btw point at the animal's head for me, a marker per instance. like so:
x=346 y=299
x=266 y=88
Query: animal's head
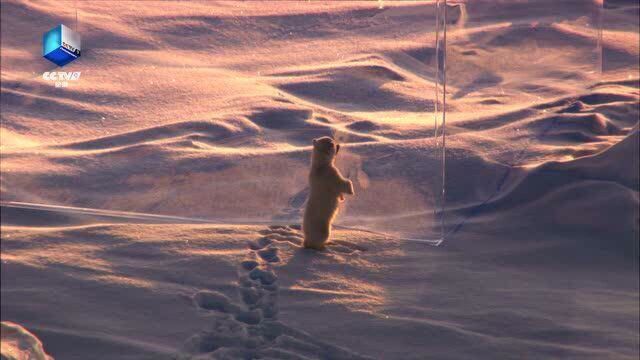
x=325 y=148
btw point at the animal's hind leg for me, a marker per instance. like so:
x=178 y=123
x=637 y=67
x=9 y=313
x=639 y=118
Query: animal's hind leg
x=316 y=239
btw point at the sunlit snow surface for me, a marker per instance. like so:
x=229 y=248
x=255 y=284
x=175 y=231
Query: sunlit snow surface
x=206 y=110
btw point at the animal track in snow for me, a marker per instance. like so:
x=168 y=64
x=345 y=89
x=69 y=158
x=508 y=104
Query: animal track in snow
x=260 y=243
x=249 y=328
x=210 y=300
x=269 y=255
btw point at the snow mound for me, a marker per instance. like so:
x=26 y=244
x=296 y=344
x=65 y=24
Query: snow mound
x=19 y=344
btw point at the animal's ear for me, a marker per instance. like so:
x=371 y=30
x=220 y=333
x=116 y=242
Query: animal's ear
x=337 y=148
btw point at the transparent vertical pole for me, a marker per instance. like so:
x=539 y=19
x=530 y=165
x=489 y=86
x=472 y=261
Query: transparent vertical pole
x=440 y=110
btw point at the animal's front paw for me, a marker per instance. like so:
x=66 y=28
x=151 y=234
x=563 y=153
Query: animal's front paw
x=350 y=188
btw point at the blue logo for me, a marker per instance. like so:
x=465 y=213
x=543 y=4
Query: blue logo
x=61 y=45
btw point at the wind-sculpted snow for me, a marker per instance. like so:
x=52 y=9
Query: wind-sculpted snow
x=149 y=209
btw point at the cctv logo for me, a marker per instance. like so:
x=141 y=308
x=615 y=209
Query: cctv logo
x=61 y=78
x=55 y=76
x=61 y=45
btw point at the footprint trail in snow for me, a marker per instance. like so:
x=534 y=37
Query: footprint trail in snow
x=249 y=328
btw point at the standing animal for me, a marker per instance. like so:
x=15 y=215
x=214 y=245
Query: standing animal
x=327 y=191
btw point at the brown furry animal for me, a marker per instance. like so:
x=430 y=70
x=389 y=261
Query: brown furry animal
x=327 y=191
